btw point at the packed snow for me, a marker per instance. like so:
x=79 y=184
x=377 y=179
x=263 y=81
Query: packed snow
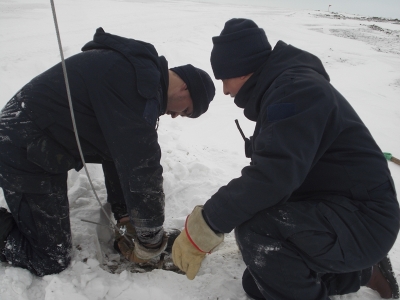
x=200 y=155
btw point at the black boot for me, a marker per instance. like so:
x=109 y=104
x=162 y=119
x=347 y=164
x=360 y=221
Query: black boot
x=6 y=225
x=383 y=280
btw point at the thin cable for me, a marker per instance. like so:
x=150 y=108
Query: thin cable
x=73 y=118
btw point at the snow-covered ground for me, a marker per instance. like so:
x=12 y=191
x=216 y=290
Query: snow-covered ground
x=199 y=155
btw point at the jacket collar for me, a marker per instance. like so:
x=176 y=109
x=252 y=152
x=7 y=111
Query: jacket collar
x=164 y=84
x=246 y=97
x=282 y=58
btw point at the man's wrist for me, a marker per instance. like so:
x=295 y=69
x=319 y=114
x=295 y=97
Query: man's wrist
x=208 y=221
x=199 y=233
x=150 y=236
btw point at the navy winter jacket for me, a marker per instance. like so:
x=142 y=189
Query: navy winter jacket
x=308 y=143
x=118 y=89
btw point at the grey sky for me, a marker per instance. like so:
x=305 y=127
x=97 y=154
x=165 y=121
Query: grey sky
x=373 y=8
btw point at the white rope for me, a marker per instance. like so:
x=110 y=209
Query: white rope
x=73 y=118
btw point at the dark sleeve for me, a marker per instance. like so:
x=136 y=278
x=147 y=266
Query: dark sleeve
x=133 y=145
x=115 y=195
x=285 y=149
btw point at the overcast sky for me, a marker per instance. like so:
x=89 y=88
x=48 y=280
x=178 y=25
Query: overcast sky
x=373 y=8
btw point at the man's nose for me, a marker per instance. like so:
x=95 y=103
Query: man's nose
x=225 y=90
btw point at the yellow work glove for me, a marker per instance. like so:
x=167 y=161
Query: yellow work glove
x=192 y=245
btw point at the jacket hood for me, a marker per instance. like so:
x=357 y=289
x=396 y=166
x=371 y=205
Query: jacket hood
x=285 y=57
x=282 y=58
x=143 y=57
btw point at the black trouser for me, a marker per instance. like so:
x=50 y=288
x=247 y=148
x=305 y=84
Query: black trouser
x=336 y=284
x=313 y=249
x=33 y=175
x=41 y=239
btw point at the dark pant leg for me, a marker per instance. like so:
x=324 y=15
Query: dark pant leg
x=336 y=284
x=41 y=239
x=33 y=175
x=250 y=286
x=278 y=271
x=345 y=283
x=287 y=248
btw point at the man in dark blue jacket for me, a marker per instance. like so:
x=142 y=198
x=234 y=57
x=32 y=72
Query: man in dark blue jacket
x=315 y=213
x=119 y=89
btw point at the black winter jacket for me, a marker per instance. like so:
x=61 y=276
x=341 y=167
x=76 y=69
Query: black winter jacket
x=308 y=143
x=118 y=89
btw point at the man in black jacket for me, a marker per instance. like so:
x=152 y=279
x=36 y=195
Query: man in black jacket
x=315 y=213
x=119 y=89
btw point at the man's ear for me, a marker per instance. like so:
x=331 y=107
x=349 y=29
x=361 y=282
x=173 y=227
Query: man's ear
x=184 y=87
x=245 y=77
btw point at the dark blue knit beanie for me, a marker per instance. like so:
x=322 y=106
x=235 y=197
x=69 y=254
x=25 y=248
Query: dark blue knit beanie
x=240 y=49
x=200 y=86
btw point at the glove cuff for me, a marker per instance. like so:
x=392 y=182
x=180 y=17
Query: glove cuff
x=199 y=233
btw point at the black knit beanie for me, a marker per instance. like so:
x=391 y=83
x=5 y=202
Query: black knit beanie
x=200 y=85
x=240 y=49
